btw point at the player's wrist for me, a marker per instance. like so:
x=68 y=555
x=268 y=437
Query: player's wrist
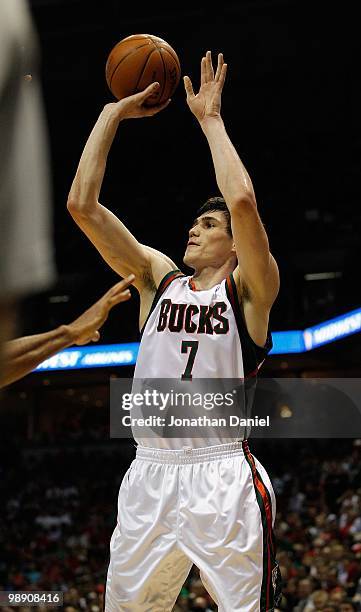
x=113 y=112
x=211 y=122
x=67 y=334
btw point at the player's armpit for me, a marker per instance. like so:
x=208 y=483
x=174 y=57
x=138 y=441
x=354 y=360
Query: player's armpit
x=255 y=313
x=161 y=265
x=158 y=261
x=265 y=292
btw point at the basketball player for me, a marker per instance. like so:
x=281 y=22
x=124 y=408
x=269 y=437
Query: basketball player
x=212 y=505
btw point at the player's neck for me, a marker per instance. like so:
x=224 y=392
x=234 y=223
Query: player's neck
x=208 y=277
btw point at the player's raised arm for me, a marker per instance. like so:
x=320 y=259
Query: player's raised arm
x=118 y=247
x=257 y=267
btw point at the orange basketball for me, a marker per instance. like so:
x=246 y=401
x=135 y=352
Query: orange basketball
x=137 y=61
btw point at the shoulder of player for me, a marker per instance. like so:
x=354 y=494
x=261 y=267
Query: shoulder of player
x=153 y=285
x=159 y=266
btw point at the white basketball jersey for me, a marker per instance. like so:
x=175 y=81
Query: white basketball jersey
x=196 y=334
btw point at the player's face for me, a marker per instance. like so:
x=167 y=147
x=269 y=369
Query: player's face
x=209 y=243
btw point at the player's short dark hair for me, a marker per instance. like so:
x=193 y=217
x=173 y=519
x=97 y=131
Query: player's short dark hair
x=214 y=204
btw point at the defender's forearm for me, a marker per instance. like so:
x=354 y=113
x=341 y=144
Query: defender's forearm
x=88 y=180
x=232 y=177
x=22 y=355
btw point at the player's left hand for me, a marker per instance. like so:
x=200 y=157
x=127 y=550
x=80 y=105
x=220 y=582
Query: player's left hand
x=207 y=102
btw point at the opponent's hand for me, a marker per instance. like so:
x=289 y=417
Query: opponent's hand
x=207 y=102
x=133 y=107
x=85 y=328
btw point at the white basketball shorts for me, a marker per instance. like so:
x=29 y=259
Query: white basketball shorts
x=212 y=506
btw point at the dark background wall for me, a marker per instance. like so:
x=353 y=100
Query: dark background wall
x=291 y=106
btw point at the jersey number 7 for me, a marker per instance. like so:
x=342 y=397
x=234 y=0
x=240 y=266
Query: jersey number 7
x=192 y=346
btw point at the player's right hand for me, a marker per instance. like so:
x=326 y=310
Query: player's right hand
x=85 y=328
x=133 y=107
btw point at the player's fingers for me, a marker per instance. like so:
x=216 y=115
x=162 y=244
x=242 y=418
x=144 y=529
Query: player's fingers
x=121 y=286
x=203 y=71
x=188 y=87
x=118 y=293
x=219 y=66
x=209 y=67
x=222 y=76
x=150 y=90
x=119 y=297
x=96 y=337
x=153 y=110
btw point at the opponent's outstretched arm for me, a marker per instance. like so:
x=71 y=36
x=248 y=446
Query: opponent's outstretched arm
x=22 y=355
x=118 y=247
x=258 y=269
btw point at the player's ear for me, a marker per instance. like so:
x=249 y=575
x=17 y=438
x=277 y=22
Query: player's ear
x=233 y=248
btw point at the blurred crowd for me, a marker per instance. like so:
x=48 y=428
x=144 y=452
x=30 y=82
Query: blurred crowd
x=59 y=510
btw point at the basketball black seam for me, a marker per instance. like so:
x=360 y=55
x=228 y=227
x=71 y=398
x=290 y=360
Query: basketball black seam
x=170 y=49
x=164 y=68
x=173 y=57
x=164 y=74
x=143 y=69
x=123 y=58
